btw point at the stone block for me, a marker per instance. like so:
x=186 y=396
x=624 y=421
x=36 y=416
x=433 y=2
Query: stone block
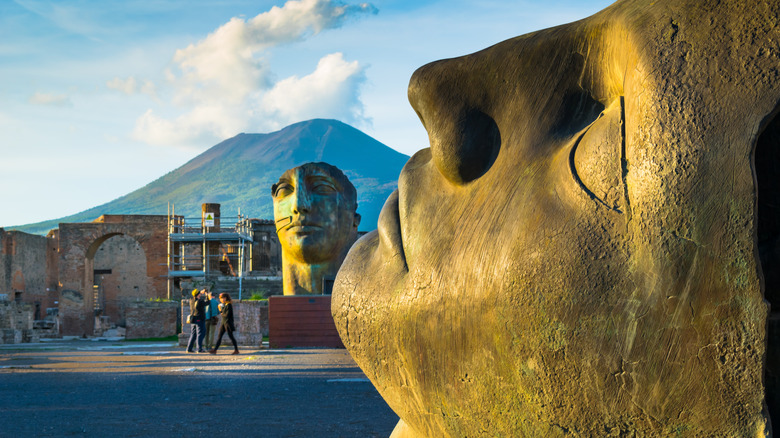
x=151 y=319
x=11 y=336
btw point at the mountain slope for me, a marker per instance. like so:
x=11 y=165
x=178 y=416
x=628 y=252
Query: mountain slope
x=239 y=172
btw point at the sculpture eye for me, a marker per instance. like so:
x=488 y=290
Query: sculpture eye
x=597 y=160
x=282 y=190
x=323 y=188
x=321 y=185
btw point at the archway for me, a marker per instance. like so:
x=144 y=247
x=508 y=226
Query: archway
x=119 y=276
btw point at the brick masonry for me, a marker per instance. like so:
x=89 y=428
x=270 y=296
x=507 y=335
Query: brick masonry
x=28 y=270
x=302 y=321
x=79 y=244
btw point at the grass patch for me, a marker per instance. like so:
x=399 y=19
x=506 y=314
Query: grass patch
x=257 y=297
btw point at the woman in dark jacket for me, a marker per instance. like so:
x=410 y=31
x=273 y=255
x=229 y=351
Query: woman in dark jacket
x=226 y=311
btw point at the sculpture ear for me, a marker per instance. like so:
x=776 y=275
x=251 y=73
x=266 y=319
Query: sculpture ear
x=356 y=220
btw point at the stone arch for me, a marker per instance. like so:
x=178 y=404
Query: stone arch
x=79 y=244
x=98 y=242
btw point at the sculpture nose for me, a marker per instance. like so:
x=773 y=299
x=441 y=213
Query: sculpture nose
x=464 y=139
x=301 y=202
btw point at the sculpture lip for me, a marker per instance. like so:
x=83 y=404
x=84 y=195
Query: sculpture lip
x=304 y=226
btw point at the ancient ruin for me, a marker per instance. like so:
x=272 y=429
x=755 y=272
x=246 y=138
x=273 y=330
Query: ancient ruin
x=586 y=246
x=120 y=273
x=316 y=220
x=87 y=291
x=28 y=278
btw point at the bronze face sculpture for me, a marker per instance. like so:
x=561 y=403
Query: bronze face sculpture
x=577 y=251
x=316 y=221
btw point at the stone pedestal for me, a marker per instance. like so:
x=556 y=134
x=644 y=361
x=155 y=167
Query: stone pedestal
x=302 y=321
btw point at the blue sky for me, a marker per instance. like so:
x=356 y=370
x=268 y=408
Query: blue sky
x=99 y=98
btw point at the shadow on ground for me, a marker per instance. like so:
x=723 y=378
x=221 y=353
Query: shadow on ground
x=101 y=389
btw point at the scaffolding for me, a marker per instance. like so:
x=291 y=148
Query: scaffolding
x=208 y=248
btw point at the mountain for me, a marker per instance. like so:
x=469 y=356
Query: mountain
x=239 y=172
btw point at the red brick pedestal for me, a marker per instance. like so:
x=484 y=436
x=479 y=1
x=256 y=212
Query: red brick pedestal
x=301 y=321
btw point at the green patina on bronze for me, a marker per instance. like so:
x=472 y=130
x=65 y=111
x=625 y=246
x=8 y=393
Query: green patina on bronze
x=583 y=249
x=315 y=213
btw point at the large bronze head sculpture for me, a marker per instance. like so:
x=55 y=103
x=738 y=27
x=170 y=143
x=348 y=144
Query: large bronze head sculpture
x=315 y=212
x=577 y=253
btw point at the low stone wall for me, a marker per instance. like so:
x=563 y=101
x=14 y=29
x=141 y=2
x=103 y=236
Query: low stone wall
x=250 y=318
x=16 y=323
x=151 y=319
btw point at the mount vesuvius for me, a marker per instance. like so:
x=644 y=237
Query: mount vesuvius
x=239 y=172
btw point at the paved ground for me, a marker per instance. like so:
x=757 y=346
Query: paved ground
x=132 y=389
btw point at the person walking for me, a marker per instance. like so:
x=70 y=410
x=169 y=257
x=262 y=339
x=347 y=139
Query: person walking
x=226 y=310
x=197 y=321
x=212 y=319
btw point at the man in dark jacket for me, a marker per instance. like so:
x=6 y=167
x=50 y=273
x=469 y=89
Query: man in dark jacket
x=198 y=305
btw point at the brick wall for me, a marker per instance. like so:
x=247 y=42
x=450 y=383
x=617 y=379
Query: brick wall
x=27 y=269
x=79 y=244
x=120 y=273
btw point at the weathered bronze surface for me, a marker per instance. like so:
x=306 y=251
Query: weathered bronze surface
x=577 y=252
x=315 y=212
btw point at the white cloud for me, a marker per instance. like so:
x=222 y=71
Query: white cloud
x=330 y=91
x=205 y=123
x=222 y=79
x=131 y=86
x=48 y=99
